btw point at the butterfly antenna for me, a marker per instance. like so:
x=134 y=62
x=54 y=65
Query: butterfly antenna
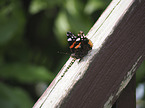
x=62 y=53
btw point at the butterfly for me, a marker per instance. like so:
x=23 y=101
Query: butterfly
x=79 y=45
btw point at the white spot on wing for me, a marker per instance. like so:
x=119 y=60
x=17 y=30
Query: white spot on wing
x=82 y=37
x=69 y=39
x=78 y=39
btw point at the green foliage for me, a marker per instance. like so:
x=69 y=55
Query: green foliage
x=13 y=97
x=140 y=74
x=25 y=73
x=12 y=21
x=140 y=80
x=94 y=5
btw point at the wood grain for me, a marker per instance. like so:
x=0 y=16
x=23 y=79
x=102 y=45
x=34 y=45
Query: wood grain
x=100 y=77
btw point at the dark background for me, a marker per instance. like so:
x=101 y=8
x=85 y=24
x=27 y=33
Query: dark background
x=32 y=43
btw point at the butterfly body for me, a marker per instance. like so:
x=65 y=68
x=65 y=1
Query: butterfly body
x=79 y=45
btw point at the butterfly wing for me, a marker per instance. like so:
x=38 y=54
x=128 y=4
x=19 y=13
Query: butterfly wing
x=79 y=45
x=71 y=38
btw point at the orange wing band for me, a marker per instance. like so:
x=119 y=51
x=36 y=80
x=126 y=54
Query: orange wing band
x=78 y=45
x=72 y=45
x=90 y=43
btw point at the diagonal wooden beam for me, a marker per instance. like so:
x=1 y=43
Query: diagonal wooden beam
x=100 y=77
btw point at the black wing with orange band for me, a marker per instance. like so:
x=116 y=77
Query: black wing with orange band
x=79 y=45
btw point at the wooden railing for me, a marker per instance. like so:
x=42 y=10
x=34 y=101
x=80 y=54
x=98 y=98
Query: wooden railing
x=105 y=77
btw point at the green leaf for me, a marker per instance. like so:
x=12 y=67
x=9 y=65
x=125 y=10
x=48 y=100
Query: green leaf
x=140 y=74
x=12 y=21
x=39 y=5
x=25 y=73
x=61 y=26
x=94 y=5
x=14 y=97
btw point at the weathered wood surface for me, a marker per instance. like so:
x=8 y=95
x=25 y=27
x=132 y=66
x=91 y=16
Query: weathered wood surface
x=97 y=81
x=127 y=99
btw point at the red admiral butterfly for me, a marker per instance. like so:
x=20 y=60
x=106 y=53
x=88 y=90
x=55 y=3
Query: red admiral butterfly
x=79 y=45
